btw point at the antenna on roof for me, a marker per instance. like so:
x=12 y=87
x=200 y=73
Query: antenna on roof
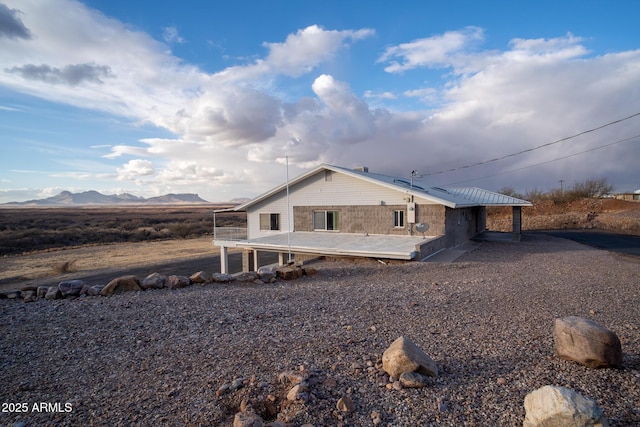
x=288 y=212
x=414 y=174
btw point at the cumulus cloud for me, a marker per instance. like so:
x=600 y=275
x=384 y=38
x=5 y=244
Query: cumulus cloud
x=307 y=48
x=134 y=169
x=10 y=24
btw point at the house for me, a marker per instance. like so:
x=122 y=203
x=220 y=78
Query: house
x=332 y=210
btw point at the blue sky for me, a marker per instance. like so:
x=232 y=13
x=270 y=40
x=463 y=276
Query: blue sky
x=154 y=97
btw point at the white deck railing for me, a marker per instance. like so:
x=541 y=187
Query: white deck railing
x=230 y=233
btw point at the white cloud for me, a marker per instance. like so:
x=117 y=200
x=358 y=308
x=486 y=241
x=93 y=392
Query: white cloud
x=233 y=128
x=307 y=48
x=170 y=35
x=381 y=95
x=435 y=51
x=135 y=169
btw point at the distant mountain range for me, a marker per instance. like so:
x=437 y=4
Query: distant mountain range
x=66 y=198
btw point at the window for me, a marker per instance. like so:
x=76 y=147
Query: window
x=325 y=220
x=269 y=221
x=398 y=219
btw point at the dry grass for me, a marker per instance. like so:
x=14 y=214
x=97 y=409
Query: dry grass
x=612 y=215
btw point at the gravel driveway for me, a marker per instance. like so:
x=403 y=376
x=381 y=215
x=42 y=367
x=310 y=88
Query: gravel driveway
x=161 y=357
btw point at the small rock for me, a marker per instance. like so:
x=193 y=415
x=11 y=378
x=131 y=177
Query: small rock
x=298 y=392
x=236 y=384
x=222 y=390
x=41 y=292
x=345 y=404
x=413 y=380
x=441 y=404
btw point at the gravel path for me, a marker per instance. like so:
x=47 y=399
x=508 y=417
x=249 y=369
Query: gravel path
x=160 y=357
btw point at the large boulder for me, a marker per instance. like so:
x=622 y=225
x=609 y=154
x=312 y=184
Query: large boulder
x=200 y=277
x=177 y=282
x=221 y=278
x=53 y=293
x=267 y=273
x=121 y=284
x=154 y=281
x=552 y=406
x=71 y=288
x=247 y=419
x=245 y=276
x=289 y=272
x=404 y=356
x=587 y=342
x=95 y=290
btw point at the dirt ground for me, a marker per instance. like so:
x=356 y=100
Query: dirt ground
x=48 y=267
x=51 y=267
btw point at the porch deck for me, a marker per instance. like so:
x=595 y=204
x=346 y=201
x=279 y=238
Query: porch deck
x=336 y=244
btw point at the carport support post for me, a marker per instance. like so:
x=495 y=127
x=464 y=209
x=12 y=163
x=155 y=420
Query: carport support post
x=224 y=260
x=517 y=222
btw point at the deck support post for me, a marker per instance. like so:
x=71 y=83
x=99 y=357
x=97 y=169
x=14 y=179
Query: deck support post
x=255 y=261
x=281 y=258
x=246 y=260
x=224 y=260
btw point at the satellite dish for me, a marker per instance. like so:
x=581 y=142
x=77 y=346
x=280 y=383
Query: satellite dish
x=422 y=227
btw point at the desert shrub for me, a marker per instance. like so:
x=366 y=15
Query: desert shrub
x=65 y=267
x=590 y=188
x=534 y=195
x=181 y=230
x=509 y=191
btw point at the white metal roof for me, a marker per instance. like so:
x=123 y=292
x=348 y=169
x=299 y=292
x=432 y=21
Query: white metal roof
x=455 y=197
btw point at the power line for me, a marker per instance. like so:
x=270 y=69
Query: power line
x=548 y=161
x=532 y=149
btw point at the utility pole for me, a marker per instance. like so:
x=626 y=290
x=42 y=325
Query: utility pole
x=561 y=181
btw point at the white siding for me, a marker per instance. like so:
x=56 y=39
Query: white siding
x=316 y=191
